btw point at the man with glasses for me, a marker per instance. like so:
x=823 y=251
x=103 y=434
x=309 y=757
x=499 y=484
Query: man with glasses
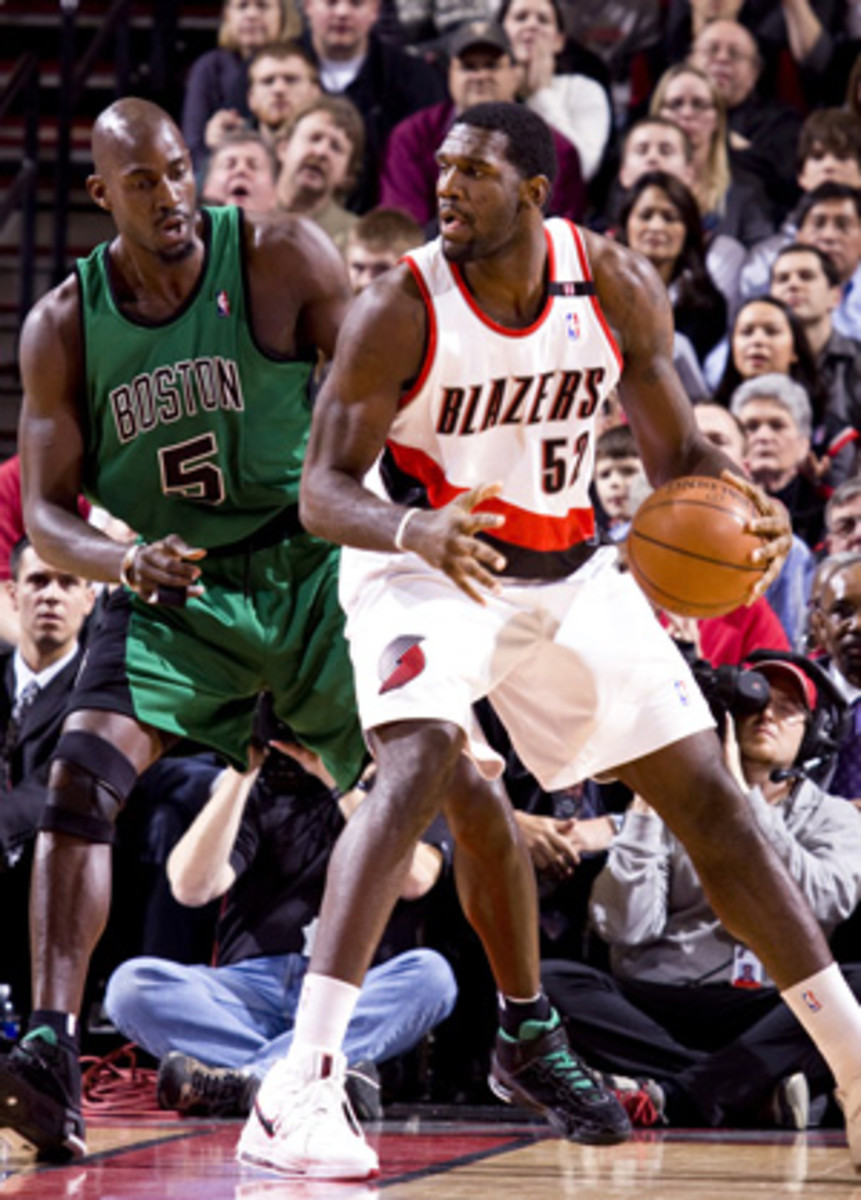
x=763 y=133
x=843 y=519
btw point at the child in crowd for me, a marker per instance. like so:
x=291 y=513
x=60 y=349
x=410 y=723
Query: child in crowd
x=620 y=481
x=377 y=241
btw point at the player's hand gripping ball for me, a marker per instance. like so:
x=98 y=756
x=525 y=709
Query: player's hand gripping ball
x=688 y=549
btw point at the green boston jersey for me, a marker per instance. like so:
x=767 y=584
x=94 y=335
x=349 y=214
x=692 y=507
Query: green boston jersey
x=192 y=428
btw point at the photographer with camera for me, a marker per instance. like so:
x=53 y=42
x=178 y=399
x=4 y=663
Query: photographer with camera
x=263 y=842
x=684 y=1006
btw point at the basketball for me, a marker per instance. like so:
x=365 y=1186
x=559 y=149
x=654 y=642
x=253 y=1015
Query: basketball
x=687 y=548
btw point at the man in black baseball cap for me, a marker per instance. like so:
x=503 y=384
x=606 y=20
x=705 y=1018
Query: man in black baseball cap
x=482 y=34
x=481 y=70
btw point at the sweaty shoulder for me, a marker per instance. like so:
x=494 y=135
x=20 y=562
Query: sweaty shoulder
x=632 y=294
x=283 y=242
x=298 y=283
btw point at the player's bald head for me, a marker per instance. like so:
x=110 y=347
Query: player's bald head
x=127 y=125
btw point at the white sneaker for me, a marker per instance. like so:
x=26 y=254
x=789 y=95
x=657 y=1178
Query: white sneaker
x=301 y=1123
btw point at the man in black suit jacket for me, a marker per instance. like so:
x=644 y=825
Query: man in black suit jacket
x=35 y=681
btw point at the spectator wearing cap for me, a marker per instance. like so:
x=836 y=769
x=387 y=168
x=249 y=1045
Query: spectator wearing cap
x=385 y=83
x=684 y=1004
x=777 y=419
x=481 y=68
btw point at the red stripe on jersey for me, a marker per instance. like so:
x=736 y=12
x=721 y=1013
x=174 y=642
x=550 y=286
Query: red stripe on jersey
x=430 y=351
x=844 y=438
x=505 y=330
x=537 y=531
x=599 y=312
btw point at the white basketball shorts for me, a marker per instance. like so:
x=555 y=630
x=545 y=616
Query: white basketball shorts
x=579 y=670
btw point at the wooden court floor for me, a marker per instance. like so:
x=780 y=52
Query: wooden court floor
x=151 y=1159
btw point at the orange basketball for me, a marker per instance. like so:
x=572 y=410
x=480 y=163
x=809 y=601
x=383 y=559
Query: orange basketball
x=687 y=548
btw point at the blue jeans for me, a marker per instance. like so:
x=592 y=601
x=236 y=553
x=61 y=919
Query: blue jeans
x=242 y=1015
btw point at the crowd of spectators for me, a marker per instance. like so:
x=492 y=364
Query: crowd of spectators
x=723 y=142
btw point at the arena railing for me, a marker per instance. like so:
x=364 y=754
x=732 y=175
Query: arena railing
x=23 y=85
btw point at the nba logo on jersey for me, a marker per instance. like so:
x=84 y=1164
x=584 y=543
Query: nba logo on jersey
x=682 y=692
x=572 y=322
x=222 y=304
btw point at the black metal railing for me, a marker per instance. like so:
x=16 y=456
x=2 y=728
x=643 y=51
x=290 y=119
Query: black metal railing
x=21 y=196
x=74 y=74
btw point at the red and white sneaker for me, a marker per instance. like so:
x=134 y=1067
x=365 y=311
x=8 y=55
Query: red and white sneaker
x=301 y=1123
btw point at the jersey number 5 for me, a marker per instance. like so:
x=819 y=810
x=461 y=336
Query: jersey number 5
x=554 y=462
x=185 y=471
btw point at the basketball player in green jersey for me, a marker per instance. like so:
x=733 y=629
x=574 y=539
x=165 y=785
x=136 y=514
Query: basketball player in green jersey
x=169 y=378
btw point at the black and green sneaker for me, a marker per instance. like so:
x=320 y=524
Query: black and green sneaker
x=538 y=1069
x=40 y=1095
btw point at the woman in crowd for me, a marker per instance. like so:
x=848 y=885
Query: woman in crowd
x=576 y=105
x=660 y=218
x=731 y=204
x=216 y=93
x=768 y=338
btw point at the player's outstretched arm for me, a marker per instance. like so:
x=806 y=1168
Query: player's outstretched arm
x=379 y=354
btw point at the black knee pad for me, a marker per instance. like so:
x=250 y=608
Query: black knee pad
x=99 y=781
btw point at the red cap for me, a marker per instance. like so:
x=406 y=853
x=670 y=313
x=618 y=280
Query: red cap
x=789 y=670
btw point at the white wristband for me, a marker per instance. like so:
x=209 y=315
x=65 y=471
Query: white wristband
x=402 y=528
x=127 y=567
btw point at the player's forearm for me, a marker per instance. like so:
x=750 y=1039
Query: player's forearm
x=694 y=455
x=335 y=506
x=65 y=540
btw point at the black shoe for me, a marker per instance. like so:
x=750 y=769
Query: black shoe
x=542 y=1072
x=40 y=1095
x=187 y=1086
x=362 y=1085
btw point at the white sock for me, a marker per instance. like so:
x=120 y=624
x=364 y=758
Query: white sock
x=826 y=1007
x=325 y=1007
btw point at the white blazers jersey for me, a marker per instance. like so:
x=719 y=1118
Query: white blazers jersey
x=510 y=405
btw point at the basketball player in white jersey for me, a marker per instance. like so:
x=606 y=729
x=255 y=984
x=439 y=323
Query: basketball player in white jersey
x=451 y=453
